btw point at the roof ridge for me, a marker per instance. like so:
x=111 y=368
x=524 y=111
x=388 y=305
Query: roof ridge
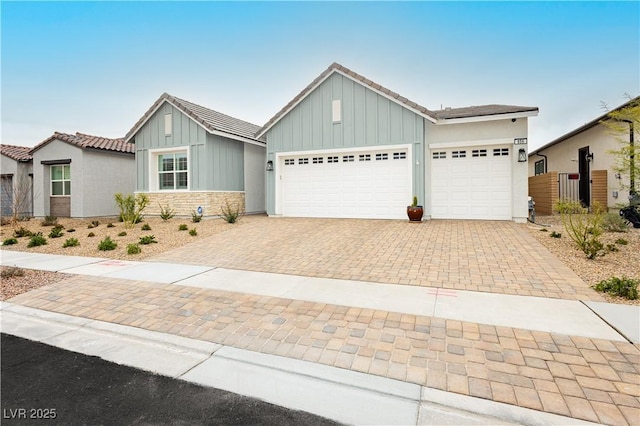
x=213 y=110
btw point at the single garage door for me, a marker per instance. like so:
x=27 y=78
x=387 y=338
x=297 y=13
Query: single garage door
x=471 y=183
x=374 y=184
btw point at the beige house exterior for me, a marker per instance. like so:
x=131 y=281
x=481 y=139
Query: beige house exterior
x=578 y=166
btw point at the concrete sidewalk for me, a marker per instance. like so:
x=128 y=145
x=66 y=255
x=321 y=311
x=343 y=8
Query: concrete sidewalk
x=459 y=349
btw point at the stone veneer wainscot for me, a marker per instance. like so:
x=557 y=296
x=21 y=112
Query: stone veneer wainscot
x=186 y=202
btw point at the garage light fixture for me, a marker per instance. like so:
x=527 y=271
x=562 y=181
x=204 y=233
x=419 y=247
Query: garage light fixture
x=522 y=155
x=269 y=166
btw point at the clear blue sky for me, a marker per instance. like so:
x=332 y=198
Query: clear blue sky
x=95 y=67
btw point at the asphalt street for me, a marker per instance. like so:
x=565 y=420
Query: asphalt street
x=42 y=384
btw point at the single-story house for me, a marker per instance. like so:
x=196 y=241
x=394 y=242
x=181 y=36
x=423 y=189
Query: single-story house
x=346 y=147
x=17 y=180
x=579 y=166
x=78 y=175
x=189 y=156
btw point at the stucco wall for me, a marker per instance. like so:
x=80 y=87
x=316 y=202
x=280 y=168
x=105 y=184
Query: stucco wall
x=22 y=184
x=105 y=174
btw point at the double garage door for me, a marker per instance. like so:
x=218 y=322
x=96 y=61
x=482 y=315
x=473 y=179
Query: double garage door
x=373 y=184
x=466 y=183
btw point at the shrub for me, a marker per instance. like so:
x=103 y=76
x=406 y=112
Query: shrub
x=91 y=234
x=22 y=232
x=95 y=223
x=193 y=232
x=166 y=212
x=133 y=249
x=565 y=206
x=612 y=247
x=9 y=241
x=122 y=234
x=56 y=231
x=147 y=239
x=49 y=221
x=612 y=222
x=71 y=230
x=232 y=214
x=623 y=287
x=37 y=240
x=183 y=227
x=71 y=242
x=544 y=230
x=12 y=271
x=90 y=226
x=146 y=227
x=195 y=216
x=107 y=244
x=110 y=225
x=555 y=234
x=131 y=208
x=622 y=241
x=585 y=231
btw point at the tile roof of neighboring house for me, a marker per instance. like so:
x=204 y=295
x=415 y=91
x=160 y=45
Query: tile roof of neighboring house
x=211 y=120
x=476 y=111
x=18 y=153
x=82 y=140
x=585 y=126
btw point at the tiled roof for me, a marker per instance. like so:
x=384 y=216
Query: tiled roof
x=89 y=141
x=18 y=153
x=211 y=120
x=475 y=111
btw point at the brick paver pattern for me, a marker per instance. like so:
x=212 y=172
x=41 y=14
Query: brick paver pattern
x=494 y=257
x=589 y=379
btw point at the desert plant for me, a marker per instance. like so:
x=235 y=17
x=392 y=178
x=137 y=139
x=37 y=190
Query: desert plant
x=612 y=222
x=91 y=234
x=22 y=232
x=566 y=206
x=230 y=214
x=71 y=230
x=622 y=241
x=107 y=244
x=414 y=203
x=90 y=226
x=555 y=234
x=133 y=249
x=131 y=208
x=95 y=223
x=195 y=216
x=10 y=241
x=146 y=227
x=37 y=240
x=122 y=234
x=544 y=230
x=623 y=287
x=193 y=232
x=612 y=248
x=49 y=221
x=147 y=239
x=110 y=225
x=12 y=271
x=71 y=242
x=585 y=230
x=56 y=231
x=166 y=212
x=183 y=227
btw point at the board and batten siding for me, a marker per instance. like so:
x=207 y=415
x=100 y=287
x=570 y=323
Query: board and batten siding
x=367 y=120
x=224 y=164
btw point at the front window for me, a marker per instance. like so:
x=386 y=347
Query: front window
x=172 y=171
x=61 y=180
x=539 y=166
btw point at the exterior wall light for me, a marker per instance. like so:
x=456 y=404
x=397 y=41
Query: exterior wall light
x=269 y=166
x=522 y=155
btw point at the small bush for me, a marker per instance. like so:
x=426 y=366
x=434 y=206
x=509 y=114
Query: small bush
x=90 y=226
x=193 y=232
x=12 y=271
x=183 y=227
x=555 y=234
x=95 y=223
x=232 y=214
x=195 y=216
x=122 y=234
x=71 y=242
x=131 y=208
x=22 y=232
x=564 y=206
x=49 y=221
x=585 y=230
x=612 y=247
x=622 y=241
x=133 y=249
x=107 y=244
x=37 y=240
x=56 y=232
x=544 y=230
x=71 y=230
x=623 y=287
x=110 y=225
x=91 y=234
x=166 y=212
x=612 y=222
x=9 y=241
x=146 y=227
x=147 y=239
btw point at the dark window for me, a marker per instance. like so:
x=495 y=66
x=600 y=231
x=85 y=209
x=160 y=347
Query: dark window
x=539 y=166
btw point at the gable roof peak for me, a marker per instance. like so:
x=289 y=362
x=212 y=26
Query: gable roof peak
x=83 y=140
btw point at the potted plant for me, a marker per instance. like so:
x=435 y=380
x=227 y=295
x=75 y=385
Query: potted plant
x=414 y=211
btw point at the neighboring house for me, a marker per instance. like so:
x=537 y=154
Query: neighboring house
x=17 y=180
x=346 y=147
x=78 y=175
x=579 y=167
x=188 y=156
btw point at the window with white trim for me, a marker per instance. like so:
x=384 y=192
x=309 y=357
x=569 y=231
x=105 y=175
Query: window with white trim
x=439 y=155
x=289 y=162
x=332 y=159
x=303 y=161
x=498 y=152
x=347 y=158
x=173 y=171
x=382 y=156
x=60 y=180
x=317 y=160
x=479 y=153
x=399 y=155
x=364 y=157
x=458 y=154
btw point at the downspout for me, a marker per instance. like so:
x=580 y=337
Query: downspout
x=632 y=164
x=545 y=160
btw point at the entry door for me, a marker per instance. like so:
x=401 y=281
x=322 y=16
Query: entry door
x=585 y=176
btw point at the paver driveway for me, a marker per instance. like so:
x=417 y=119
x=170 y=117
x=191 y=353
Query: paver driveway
x=488 y=256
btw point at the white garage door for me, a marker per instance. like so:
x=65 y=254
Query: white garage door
x=369 y=184
x=471 y=183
